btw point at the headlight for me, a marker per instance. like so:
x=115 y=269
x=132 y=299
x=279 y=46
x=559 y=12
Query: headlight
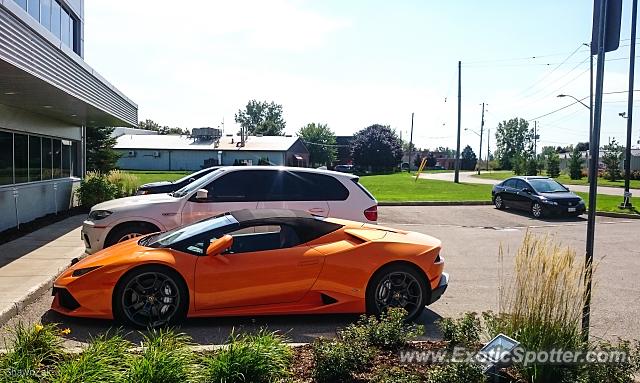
x=81 y=272
x=547 y=201
x=97 y=215
x=142 y=192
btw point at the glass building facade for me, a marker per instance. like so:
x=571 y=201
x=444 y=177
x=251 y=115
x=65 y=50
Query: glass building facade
x=57 y=19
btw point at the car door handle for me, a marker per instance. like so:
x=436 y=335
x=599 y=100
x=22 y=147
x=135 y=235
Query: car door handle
x=316 y=210
x=309 y=262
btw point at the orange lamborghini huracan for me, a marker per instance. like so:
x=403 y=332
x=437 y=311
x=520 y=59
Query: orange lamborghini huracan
x=255 y=262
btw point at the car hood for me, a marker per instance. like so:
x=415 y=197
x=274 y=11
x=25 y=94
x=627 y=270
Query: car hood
x=560 y=196
x=156 y=184
x=139 y=200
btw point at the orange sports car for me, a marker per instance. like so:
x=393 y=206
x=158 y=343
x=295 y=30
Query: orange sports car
x=255 y=262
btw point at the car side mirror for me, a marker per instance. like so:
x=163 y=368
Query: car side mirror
x=202 y=194
x=527 y=190
x=191 y=179
x=220 y=245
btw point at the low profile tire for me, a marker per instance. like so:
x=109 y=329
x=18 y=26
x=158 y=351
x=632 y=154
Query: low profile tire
x=537 y=210
x=498 y=202
x=397 y=286
x=128 y=231
x=150 y=297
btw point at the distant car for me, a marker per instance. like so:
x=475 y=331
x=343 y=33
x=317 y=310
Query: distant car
x=344 y=168
x=171 y=186
x=404 y=166
x=320 y=192
x=255 y=262
x=539 y=195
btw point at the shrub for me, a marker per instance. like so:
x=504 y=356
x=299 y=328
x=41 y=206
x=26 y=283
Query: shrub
x=531 y=166
x=611 y=158
x=336 y=360
x=389 y=332
x=544 y=307
x=613 y=372
x=575 y=165
x=386 y=374
x=94 y=189
x=126 y=183
x=263 y=357
x=165 y=358
x=31 y=348
x=456 y=373
x=465 y=330
x=104 y=360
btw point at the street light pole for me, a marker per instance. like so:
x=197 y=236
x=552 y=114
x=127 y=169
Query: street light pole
x=456 y=177
x=626 y=203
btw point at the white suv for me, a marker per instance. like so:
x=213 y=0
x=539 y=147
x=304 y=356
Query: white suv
x=320 y=192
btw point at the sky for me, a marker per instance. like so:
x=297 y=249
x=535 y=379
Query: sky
x=350 y=64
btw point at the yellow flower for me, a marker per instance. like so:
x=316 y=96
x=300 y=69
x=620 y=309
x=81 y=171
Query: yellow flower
x=39 y=327
x=66 y=331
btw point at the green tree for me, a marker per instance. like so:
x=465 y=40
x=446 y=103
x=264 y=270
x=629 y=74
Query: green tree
x=582 y=146
x=320 y=140
x=531 y=166
x=469 y=159
x=611 y=158
x=513 y=137
x=377 y=147
x=149 y=124
x=553 y=165
x=575 y=164
x=100 y=153
x=261 y=117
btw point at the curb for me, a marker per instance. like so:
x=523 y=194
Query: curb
x=617 y=215
x=434 y=203
x=32 y=295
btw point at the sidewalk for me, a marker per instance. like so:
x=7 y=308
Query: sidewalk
x=29 y=264
x=468 y=177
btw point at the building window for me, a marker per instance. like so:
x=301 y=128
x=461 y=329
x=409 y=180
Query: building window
x=6 y=158
x=66 y=159
x=21 y=157
x=35 y=158
x=55 y=18
x=75 y=159
x=57 y=158
x=22 y=4
x=47 y=159
x=65 y=27
x=45 y=13
x=33 y=7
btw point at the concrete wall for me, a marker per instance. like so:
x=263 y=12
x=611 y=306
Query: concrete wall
x=190 y=159
x=22 y=121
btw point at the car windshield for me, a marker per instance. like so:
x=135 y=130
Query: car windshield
x=191 y=175
x=545 y=185
x=198 y=184
x=170 y=237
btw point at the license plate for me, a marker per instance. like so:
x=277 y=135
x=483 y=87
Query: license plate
x=571 y=209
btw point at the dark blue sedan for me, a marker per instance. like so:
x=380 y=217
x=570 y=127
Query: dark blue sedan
x=539 y=195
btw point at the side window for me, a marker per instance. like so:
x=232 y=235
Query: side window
x=520 y=185
x=510 y=183
x=263 y=238
x=242 y=186
x=316 y=187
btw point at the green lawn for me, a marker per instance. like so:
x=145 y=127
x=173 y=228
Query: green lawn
x=403 y=187
x=146 y=176
x=501 y=175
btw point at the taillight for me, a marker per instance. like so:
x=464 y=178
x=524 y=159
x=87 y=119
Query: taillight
x=371 y=213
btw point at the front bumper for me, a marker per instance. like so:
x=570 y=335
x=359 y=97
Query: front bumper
x=563 y=209
x=93 y=236
x=442 y=287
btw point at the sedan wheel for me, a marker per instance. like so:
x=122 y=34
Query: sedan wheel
x=149 y=298
x=536 y=210
x=397 y=286
x=129 y=236
x=499 y=204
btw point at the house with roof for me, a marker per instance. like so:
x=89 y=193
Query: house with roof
x=206 y=147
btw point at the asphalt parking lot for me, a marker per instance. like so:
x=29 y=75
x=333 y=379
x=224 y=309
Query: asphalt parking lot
x=471 y=237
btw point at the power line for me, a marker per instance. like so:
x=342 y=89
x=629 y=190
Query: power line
x=575 y=102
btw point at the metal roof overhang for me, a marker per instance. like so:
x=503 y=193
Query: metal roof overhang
x=41 y=77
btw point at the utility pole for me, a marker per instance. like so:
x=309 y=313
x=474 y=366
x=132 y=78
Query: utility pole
x=481 y=132
x=411 y=144
x=535 y=138
x=626 y=203
x=488 y=152
x=456 y=177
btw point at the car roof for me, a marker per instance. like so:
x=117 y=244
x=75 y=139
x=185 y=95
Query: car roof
x=290 y=168
x=526 y=178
